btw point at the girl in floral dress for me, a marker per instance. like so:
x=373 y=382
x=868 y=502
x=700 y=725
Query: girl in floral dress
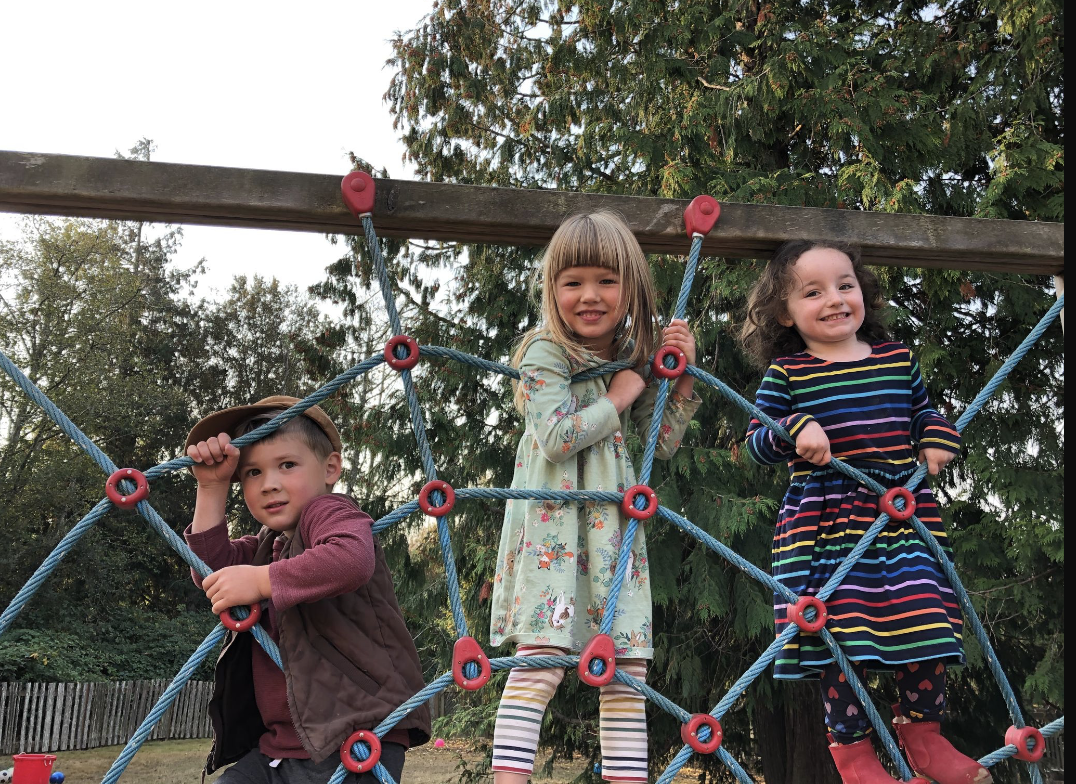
x=557 y=560
x=842 y=389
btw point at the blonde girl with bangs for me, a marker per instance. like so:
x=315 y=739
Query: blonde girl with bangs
x=557 y=560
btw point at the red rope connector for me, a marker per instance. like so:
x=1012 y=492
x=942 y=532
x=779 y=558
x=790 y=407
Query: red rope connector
x=426 y=505
x=357 y=765
x=597 y=662
x=627 y=506
x=407 y=362
x=466 y=650
x=358 y=189
x=797 y=613
x=701 y=215
x=1019 y=736
x=689 y=733
x=658 y=365
x=237 y=625
x=112 y=488
x=890 y=508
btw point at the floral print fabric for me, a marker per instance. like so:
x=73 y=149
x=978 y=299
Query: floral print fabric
x=557 y=560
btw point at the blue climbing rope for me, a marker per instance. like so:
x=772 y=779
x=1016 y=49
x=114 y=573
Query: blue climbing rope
x=442 y=682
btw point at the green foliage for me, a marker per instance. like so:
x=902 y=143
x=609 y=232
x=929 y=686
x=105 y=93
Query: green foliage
x=125 y=645
x=98 y=318
x=952 y=108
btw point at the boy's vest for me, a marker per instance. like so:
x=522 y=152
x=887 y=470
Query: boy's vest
x=349 y=661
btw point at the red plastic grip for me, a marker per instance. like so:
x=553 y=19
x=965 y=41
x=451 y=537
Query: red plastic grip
x=796 y=613
x=701 y=215
x=890 y=508
x=358 y=192
x=427 y=506
x=348 y=759
x=600 y=647
x=112 y=488
x=466 y=650
x=689 y=733
x=246 y=624
x=1018 y=736
x=627 y=506
x=407 y=362
x=658 y=365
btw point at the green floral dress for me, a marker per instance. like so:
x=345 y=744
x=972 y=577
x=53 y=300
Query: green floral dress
x=557 y=560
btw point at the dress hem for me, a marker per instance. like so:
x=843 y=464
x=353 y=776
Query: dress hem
x=873 y=665
x=521 y=639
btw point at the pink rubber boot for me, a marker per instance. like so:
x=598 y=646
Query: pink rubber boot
x=931 y=755
x=858 y=763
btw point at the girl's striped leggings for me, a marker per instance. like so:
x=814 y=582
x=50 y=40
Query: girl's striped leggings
x=621 y=719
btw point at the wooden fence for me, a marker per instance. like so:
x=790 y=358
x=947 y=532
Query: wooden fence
x=50 y=717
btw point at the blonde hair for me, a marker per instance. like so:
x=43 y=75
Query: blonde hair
x=596 y=239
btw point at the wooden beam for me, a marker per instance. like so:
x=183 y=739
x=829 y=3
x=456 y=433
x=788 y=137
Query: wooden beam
x=217 y=196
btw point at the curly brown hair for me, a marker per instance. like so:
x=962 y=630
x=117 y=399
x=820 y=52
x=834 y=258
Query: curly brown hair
x=764 y=337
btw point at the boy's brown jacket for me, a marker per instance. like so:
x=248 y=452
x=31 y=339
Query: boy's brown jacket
x=349 y=661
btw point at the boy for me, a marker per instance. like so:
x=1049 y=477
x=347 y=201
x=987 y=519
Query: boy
x=348 y=658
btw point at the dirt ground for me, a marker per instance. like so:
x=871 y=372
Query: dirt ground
x=180 y=762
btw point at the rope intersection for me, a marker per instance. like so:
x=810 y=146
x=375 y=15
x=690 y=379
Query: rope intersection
x=701 y=733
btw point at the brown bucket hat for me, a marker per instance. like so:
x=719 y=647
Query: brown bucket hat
x=229 y=419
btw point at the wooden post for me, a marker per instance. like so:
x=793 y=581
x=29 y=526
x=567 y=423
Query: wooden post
x=98 y=695
x=48 y=716
x=63 y=716
x=179 y=708
x=4 y=734
x=33 y=740
x=27 y=716
x=56 y=717
x=108 y=700
x=114 y=729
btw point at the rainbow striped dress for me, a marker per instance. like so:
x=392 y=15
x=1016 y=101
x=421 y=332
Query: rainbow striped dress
x=896 y=604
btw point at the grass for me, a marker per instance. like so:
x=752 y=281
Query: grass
x=163 y=762
x=181 y=761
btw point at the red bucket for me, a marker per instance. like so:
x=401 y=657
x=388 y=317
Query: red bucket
x=32 y=768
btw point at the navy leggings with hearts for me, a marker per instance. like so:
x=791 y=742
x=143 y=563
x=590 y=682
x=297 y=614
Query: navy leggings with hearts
x=922 y=697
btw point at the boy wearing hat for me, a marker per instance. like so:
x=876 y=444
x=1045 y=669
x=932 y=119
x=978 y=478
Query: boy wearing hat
x=348 y=659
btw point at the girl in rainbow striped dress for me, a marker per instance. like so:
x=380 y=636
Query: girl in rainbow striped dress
x=843 y=389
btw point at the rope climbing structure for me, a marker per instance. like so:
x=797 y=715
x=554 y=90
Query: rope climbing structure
x=129 y=488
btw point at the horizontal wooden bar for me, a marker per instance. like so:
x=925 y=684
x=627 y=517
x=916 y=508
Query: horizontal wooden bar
x=252 y=198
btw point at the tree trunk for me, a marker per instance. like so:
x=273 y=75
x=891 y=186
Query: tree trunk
x=791 y=736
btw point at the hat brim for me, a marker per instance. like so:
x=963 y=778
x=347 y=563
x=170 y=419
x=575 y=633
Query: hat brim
x=228 y=419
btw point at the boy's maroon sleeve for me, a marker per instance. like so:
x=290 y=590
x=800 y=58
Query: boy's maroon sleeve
x=214 y=547
x=339 y=554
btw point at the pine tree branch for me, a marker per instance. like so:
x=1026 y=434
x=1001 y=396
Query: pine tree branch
x=713 y=86
x=1005 y=587
x=455 y=325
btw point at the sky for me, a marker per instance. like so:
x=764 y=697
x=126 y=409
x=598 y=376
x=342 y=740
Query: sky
x=241 y=84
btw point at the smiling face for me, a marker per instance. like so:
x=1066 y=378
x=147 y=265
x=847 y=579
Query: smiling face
x=280 y=476
x=589 y=302
x=825 y=304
